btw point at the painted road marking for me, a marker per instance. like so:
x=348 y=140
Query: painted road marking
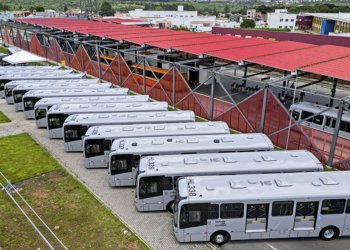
x=230 y=95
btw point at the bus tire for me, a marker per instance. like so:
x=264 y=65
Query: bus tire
x=329 y=233
x=219 y=237
x=170 y=207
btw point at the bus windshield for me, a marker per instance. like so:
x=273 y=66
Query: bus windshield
x=93 y=148
x=154 y=186
x=8 y=92
x=17 y=95
x=74 y=133
x=2 y=84
x=124 y=163
x=56 y=120
x=40 y=113
x=29 y=103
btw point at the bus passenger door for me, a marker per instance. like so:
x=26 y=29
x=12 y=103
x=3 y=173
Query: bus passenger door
x=305 y=217
x=257 y=215
x=106 y=148
x=346 y=229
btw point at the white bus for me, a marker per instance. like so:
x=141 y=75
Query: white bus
x=34 y=71
x=19 y=91
x=58 y=113
x=84 y=121
x=32 y=97
x=223 y=208
x=157 y=175
x=8 y=78
x=30 y=67
x=98 y=139
x=324 y=122
x=43 y=105
x=125 y=153
x=13 y=84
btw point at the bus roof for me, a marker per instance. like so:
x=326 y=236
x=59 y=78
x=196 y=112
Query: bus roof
x=195 y=144
x=316 y=108
x=277 y=187
x=129 y=118
x=29 y=67
x=95 y=99
x=41 y=76
x=61 y=86
x=21 y=82
x=245 y=162
x=118 y=131
x=107 y=107
x=34 y=71
x=76 y=92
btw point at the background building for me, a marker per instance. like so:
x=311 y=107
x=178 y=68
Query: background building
x=251 y=14
x=331 y=23
x=281 y=19
x=304 y=21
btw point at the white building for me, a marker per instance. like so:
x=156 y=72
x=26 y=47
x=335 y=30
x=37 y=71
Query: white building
x=251 y=14
x=169 y=19
x=281 y=19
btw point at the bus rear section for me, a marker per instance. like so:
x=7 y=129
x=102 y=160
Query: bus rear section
x=71 y=132
x=97 y=141
x=223 y=208
x=3 y=82
x=157 y=175
x=30 y=98
x=43 y=105
x=125 y=153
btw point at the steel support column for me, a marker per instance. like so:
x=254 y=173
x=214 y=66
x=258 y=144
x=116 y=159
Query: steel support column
x=245 y=75
x=212 y=96
x=144 y=74
x=284 y=82
x=99 y=63
x=333 y=91
x=263 y=112
x=120 y=77
x=174 y=84
x=67 y=43
x=335 y=134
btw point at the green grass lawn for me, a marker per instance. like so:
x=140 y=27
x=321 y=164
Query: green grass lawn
x=3 y=50
x=77 y=218
x=4 y=118
x=35 y=64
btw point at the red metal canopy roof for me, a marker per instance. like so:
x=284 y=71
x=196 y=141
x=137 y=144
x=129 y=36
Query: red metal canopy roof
x=200 y=48
x=337 y=68
x=238 y=54
x=299 y=58
x=327 y=60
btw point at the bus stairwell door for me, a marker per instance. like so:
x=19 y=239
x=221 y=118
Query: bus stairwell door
x=346 y=229
x=256 y=219
x=305 y=217
x=194 y=219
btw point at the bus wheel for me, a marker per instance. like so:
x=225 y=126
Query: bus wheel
x=219 y=237
x=170 y=207
x=329 y=233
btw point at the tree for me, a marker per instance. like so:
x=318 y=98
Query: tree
x=180 y=28
x=65 y=8
x=248 y=23
x=39 y=9
x=159 y=8
x=18 y=7
x=227 y=9
x=106 y=9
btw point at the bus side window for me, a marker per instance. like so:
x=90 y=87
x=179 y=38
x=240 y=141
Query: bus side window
x=213 y=212
x=282 y=208
x=107 y=145
x=296 y=115
x=335 y=206
x=318 y=119
x=167 y=183
x=347 y=210
x=305 y=114
x=345 y=126
x=231 y=210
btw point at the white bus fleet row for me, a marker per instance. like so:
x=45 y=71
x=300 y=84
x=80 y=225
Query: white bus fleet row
x=220 y=186
x=39 y=77
x=32 y=97
x=57 y=115
x=15 y=94
x=43 y=105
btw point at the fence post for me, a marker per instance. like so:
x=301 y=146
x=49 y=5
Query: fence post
x=212 y=96
x=144 y=73
x=99 y=62
x=263 y=111
x=335 y=134
x=174 y=83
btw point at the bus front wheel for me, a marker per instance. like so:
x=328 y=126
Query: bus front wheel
x=329 y=233
x=219 y=237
